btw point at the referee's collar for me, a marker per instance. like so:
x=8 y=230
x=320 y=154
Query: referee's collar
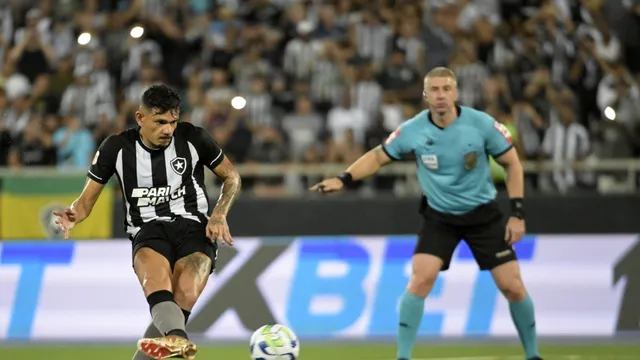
x=458 y=113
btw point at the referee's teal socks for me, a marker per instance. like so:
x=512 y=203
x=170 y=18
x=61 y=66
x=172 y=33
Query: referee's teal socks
x=411 y=312
x=523 y=317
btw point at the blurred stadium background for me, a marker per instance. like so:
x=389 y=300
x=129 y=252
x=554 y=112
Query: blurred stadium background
x=294 y=90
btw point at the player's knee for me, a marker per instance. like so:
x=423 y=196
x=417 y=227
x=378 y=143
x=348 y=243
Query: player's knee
x=421 y=283
x=153 y=271
x=153 y=282
x=191 y=275
x=513 y=289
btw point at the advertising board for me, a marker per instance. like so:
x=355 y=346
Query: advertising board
x=334 y=287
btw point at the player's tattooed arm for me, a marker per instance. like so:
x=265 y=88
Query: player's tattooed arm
x=231 y=184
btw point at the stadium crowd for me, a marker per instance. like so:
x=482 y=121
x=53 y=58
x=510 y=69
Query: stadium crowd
x=324 y=81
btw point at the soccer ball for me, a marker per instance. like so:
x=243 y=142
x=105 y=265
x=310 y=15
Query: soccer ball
x=274 y=342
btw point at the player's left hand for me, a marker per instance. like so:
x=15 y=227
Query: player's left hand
x=218 y=229
x=66 y=220
x=515 y=230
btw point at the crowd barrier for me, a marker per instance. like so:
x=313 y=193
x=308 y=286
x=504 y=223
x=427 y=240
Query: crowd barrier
x=323 y=287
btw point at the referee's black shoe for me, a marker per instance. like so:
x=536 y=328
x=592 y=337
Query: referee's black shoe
x=535 y=358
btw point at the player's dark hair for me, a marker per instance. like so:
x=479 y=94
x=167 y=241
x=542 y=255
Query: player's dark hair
x=161 y=99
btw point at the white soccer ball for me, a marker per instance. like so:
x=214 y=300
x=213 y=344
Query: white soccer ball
x=274 y=342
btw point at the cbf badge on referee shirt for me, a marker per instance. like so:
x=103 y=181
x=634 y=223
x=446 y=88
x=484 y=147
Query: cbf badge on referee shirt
x=470 y=160
x=430 y=161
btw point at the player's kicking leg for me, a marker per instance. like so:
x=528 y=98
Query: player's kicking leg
x=185 y=293
x=508 y=280
x=190 y=277
x=155 y=276
x=153 y=332
x=196 y=259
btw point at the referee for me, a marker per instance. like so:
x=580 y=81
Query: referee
x=452 y=145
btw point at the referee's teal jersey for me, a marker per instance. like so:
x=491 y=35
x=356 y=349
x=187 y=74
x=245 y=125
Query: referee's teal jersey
x=453 y=162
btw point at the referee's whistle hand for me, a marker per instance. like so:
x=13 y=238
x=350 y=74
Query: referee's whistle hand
x=515 y=230
x=328 y=186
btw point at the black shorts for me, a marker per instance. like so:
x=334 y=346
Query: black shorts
x=175 y=240
x=483 y=229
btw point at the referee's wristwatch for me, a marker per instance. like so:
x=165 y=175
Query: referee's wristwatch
x=517 y=208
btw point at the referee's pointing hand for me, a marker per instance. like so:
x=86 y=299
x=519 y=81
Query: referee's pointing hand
x=328 y=186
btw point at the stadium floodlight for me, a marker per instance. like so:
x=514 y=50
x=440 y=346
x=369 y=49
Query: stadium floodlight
x=136 y=32
x=84 y=38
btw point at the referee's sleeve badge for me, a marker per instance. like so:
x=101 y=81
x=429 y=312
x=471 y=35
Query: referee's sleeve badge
x=503 y=130
x=392 y=136
x=95 y=158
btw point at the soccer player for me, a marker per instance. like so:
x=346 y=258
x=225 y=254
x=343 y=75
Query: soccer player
x=160 y=166
x=452 y=145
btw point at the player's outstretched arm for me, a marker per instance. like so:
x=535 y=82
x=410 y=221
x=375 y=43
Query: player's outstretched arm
x=218 y=229
x=101 y=170
x=367 y=165
x=80 y=208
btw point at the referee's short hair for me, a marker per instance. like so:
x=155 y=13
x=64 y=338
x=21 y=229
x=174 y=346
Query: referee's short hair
x=442 y=71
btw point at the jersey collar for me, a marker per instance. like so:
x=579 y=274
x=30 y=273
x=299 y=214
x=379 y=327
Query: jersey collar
x=139 y=139
x=458 y=111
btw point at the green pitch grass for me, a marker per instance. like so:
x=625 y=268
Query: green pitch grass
x=334 y=352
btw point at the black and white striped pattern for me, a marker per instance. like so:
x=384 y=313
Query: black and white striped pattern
x=367 y=95
x=471 y=80
x=565 y=144
x=413 y=49
x=326 y=82
x=132 y=65
x=373 y=41
x=299 y=58
x=174 y=174
x=83 y=101
x=259 y=109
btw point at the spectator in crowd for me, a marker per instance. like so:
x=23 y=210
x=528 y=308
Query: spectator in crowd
x=33 y=147
x=75 y=144
x=303 y=128
x=323 y=81
x=567 y=141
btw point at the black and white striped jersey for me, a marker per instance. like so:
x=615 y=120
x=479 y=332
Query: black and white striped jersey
x=159 y=184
